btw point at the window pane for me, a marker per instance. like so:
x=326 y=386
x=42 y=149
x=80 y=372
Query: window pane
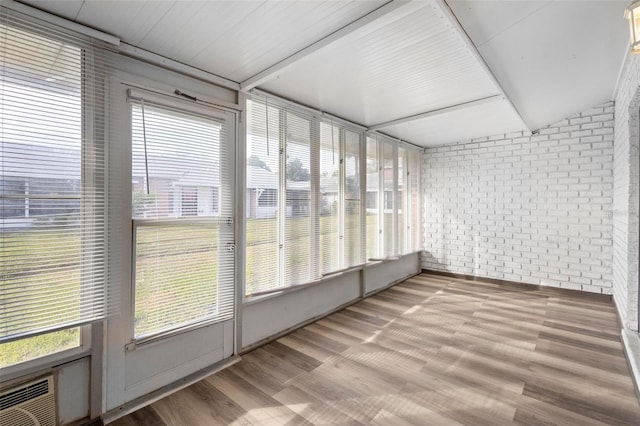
x=329 y=203
x=263 y=180
x=179 y=154
x=176 y=276
x=297 y=232
x=37 y=346
x=176 y=173
x=388 y=180
x=372 y=201
x=402 y=222
x=352 y=226
x=414 y=176
x=51 y=192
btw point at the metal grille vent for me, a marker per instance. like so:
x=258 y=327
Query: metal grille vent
x=31 y=404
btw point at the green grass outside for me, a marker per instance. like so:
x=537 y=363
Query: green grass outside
x=24 y=256
x=176 y=266
x=33 y=347
x=161 y=287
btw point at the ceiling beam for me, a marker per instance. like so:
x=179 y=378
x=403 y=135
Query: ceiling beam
x=435 y=112
x=367 y=19
x=170 y=64
x=455 y=24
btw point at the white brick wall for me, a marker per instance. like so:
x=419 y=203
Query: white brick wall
x=533 y=209
x=625 y=200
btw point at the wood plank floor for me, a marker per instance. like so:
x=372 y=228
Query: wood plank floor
x=429 y=351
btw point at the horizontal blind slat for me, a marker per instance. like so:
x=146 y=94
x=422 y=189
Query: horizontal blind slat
x=184 y=272
x=53 y=258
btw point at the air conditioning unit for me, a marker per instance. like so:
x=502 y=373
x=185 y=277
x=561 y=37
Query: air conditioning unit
x=30 y=404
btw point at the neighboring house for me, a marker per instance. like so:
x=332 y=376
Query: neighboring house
x=28 y=193
x=192 y=189
x=262 y=193
x=372 y=191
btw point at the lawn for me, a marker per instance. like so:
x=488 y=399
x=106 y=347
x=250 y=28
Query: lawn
x=176 y=276
x=176 y=266
x=24 y=257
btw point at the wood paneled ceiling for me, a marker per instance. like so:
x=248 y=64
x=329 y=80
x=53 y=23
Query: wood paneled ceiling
x=429 y=71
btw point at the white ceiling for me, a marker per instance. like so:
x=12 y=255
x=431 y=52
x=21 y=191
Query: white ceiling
x=498 y=117
x=375 y=62
x=233 y=39
x=408 y=62
x=553 y=58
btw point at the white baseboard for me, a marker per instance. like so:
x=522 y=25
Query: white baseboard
x=631 y=343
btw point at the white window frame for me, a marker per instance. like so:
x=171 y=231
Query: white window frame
x=215 y=112
x=51 y=360
x=83 y=40
x=315 y=121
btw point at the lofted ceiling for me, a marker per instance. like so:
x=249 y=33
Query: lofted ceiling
x=553 y=58
x=427 y=71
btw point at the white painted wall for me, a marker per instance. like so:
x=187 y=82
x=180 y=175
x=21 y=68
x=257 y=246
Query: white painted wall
x=626 y=175
x=269 y=316
x=73 y=381
x=380 y=274
x=533 y=209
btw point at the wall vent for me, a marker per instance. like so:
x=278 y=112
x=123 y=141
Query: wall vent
x=30 y=404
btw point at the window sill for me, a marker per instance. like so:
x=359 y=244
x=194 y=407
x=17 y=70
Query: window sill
x=281 y=291
x=152 y=339
x=38 y=366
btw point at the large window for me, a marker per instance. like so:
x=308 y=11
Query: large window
x=393 y=213
x=414 y=220
x=52 y=199
x=329 y=201
x=299 y=266
x=302 y=197
x=181 y=218
x=389 y=180
x=353 y=226
x=373 y=224
x=263 y=194
x=319 y=200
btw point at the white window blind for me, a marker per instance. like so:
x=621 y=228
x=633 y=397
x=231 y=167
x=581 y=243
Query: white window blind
x=389 y=205
x=52 y=180
x=282 y=178
x=372 y=201
x=353 y=235
x=322 y=197
x=263 y=196
x=414 y=224
x=402 y=202
x=409 y=239
x=300 y=263
x=303 y=201
x=329 y=207
x=181 y=207
x=392 y=198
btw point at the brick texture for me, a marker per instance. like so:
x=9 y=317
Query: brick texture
x=625 y=200
x=528 y=208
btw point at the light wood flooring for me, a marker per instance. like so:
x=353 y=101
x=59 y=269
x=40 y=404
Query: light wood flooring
x=430 y=351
